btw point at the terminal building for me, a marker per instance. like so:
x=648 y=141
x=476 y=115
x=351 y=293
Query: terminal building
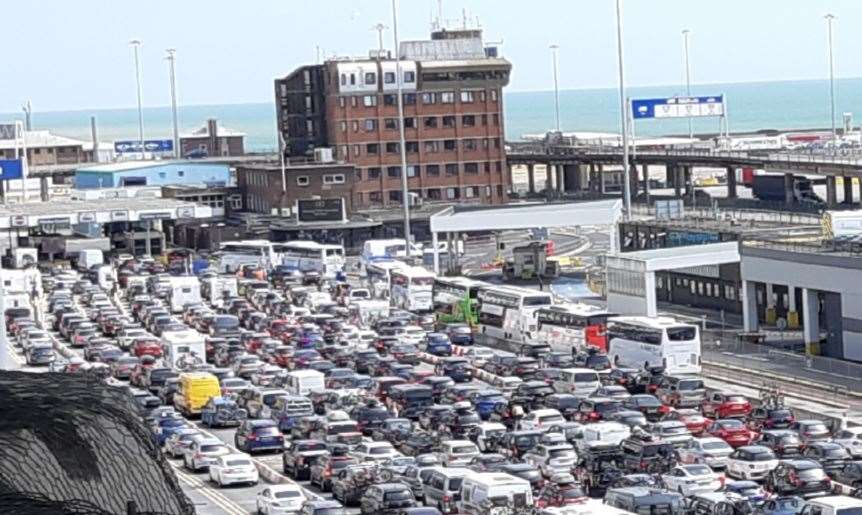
x=453 y=119
x=153 y=173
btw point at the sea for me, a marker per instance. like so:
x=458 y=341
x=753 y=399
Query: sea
x=797 y=104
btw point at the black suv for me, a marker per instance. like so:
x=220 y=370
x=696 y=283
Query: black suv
x=831 y=456
x=805 y=478
x=299 y=455
x=783 y=442
x=369 y=416
x=386 y=498
x=644 y=453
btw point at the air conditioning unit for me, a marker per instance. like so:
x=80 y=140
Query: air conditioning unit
x=415 y=199
x=323 y=155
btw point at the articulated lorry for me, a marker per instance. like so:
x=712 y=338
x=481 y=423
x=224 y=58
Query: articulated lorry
x=771 y=188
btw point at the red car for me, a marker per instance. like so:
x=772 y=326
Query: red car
x=281 y=356
x=732 y=431
x=726 y=405
x=147 y=347
x=694 y=421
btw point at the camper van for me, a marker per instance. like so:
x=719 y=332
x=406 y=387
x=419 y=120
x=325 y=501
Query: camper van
x=478 y=488
x=89 y=257
x=215 y=289
x=302 y=382
x=184 y=290
x=183 y=347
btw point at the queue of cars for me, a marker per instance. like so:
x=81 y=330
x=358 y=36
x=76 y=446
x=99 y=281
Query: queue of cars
x=353 y=409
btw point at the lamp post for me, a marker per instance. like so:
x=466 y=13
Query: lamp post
x=172 y=58
x=405 y=196
x=829 y=18
x=555 y=57
x=136 y=45
x=685 y=34
x=627 y=194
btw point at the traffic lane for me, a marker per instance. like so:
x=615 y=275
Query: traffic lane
x=212 y=500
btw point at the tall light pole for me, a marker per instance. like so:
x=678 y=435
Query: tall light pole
x=685 y=34
x=172 y=59
x=627 y=194
x=405 y=196
x=380 y=27
x=829 y=18
x=554 y=56
x=136 y=45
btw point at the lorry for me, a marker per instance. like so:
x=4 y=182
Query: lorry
x=87 y=258
x=183 y=349
x=771 y=188
x=841 y=224
x=530 y=261
x=184 y=290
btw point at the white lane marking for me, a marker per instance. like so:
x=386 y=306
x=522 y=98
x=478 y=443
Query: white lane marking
x=207 y=491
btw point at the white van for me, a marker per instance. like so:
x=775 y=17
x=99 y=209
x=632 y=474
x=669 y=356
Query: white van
x=603 y=434
x=89 y=257
x=833 y=505
x=302 y=382
x=478 y=487
x=577 y=381
x=189 y=346
x=184 y=290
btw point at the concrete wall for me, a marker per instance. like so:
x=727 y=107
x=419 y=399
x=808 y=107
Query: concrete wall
x=157 y=175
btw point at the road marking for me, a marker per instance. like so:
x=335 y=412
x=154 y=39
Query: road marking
x=207 y=491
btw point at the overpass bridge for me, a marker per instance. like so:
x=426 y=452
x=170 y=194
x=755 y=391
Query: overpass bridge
x=581 y=168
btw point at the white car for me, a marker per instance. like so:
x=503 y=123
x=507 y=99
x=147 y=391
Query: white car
x=709 y=450
x=540 y=419
x=488 y=431
x=231 y=469
x=552 y=459
x=671 y=431
x=280 y=500
x=506 y=384
x=478 y=356
x=692 y=479
x=752 y=462
x=200 y=454
x=457 y=453
x=374 y=451
x=411 y=334
x=850 y=439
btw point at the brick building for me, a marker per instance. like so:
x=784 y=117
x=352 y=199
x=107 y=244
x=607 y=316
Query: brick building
x=212 y=140
x=453 y=119
x=261 y=185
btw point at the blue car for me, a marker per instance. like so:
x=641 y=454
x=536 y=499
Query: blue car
x=258 y=435
x=781 y=506
x=486 y=402
x=166 y=427
x=460 y=334
x=438 y=344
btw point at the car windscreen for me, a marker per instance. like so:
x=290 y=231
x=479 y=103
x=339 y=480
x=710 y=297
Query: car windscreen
x=288 y=494
x=690 y=384
x=399 y=495
x=266 y=431
x=380 y=450
x=681 y=334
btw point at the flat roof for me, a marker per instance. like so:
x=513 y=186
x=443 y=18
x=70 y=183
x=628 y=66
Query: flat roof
x=123 y=166
x=34 y=214
x=675 y=257
x=42 y=139
x=526 y=216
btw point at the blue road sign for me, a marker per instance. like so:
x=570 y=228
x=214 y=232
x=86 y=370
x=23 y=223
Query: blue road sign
x=11 y=169
x=677 y=107
x=150 y=145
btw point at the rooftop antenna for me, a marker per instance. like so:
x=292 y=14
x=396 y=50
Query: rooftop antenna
x=464 y=17
x=28 y=113
x=440 y=20
x=380 y=28
x=317 y=60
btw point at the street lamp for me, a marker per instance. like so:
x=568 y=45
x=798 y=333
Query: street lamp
x=829 y=18
x=172 y=59
x=685 y=34
x=136 y=45
x=405 y=197
x=627 y=194
x=555 y=56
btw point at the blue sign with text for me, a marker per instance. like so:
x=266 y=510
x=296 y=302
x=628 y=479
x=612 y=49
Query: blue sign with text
x=11 y=169
x=150 y=145
x=677 y=107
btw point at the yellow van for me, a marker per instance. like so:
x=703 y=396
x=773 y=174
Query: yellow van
x=194 y=390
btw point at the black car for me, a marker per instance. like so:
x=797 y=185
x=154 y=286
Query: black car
x=850 y=474
x=641 y=452
x=649 y=405
x=369 y=416
x=831 y=456
x=620 y=376
x=432 y=417
x=386 y=498
x=328 y=466
x=767 y=417
x=392 y=430
x=419 y=443
x=488 y=463
x=801 y=477
x=558 y=360
x=785 y=443
x=531 y=394
x=299 y=455
x=438 y=385
x=363 y=360
x=350 y=482
x=593 y=359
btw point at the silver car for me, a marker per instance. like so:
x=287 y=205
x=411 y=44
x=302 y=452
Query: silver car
x=708 y=450
x=178 y=442
x=671 y=431
x=201 y=453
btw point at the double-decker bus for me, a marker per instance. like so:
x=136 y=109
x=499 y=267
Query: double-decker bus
x=653 y=342
x=570 y=327
x=455 y=299
x=412 y=288
x=503 y=309
x=310 y=256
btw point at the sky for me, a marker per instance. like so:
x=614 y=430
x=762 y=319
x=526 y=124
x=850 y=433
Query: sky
x=74 y=54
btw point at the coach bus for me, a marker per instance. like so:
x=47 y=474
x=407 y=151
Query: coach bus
x=570 y=327
x=654 y=342
x=378 y=277
x=235 y=254
x=412 y=288
x=310 y=256
x=502 y=308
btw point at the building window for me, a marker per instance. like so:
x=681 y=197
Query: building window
x=302 y=180
x=452 y=193
x=498 y=166
x=389 y=78
x=447 y=97
x=162 y=175
x=370 y=125
x=430 y=122
x=429 y=98
x=471 y=168
x=493 y=95
x=343 y=126
x=344 y=151
x=355 y=125
x=449 y=122
x=487 y=167
x=410 y=123
x=409 y=77
x=412 y=171
x=373 y=174
x=342 y=101
x=180 y=173
x=370 y=78
x=496 y=119
x=484 y=120
x=409 y=99
x=357 y=149
x=369 y=100
x=487 y=191
x=372 y=149
x=466 y=97
x=411 y=146
x=432 y=170
x=393 y=172
x=375 y=196
x=486 y=143
x=471 y=192
x=468 y=120
x=309 y=126
x=352 y=101
x=390 y=124
x=433 y=194
x=392 y=148
x=451 y=169
x=469 y=144
x=344 y=79
x=337 y=178
x=482 y=96
x=497 y=143
x=352 y=79
x=449 y=145
x=395 y=196
x=431 y=146
x=389 y=100
x=358 y=175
